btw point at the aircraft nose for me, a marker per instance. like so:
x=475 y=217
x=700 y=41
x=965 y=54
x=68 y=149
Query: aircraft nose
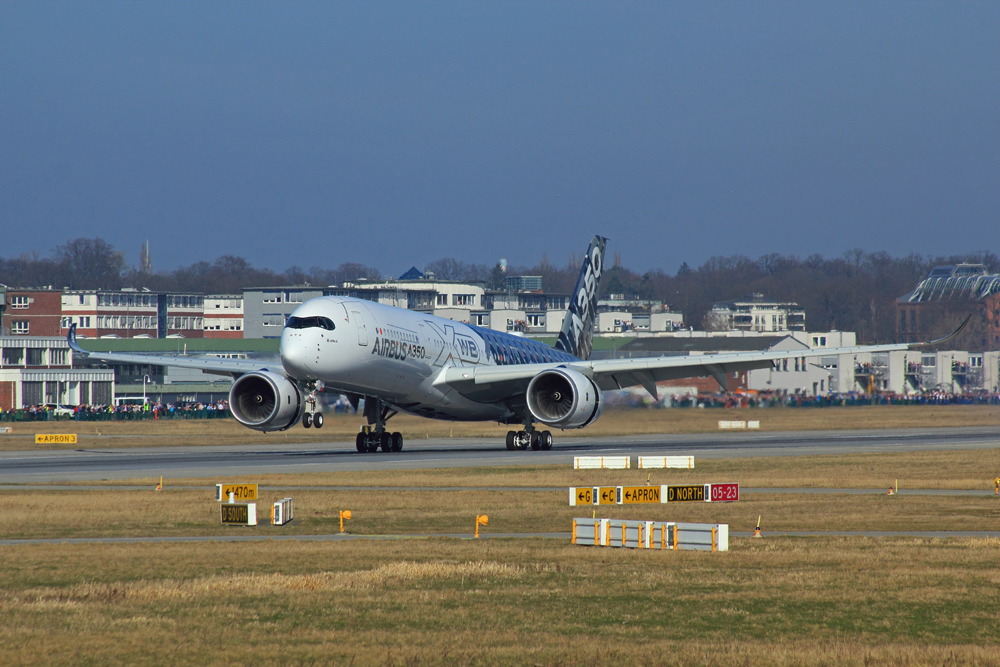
x=294 y=357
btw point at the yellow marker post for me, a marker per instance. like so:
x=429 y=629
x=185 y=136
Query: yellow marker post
x=344 y=514
x=481 y=521
x=997 y=482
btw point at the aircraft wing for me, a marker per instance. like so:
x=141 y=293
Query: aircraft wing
x=497 y=383
x=233 y=367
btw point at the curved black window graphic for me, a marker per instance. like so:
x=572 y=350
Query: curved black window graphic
x=310 y=323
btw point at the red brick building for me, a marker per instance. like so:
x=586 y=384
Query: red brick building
x=131 y=313
x=32 y=312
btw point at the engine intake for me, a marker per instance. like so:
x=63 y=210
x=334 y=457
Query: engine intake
x=265 y=401
x=564 y=398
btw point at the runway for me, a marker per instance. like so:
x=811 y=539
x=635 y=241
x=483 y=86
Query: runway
x=27 y=467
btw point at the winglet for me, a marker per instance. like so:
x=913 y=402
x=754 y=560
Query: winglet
x=949 y=336
x=71 y=339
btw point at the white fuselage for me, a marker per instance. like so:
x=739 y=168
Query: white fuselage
x=392 y=353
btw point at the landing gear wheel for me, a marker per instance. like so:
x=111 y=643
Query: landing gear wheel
x=372 y=443
x=536 y=440
x=362 y=445
x=397 y=442
x=523 y=440
x=546 y=440
x=318 y=420
x=511 y=445
x=307 y=420
x=386 y=441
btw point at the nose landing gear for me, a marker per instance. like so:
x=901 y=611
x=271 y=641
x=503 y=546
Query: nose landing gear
x=312 y=417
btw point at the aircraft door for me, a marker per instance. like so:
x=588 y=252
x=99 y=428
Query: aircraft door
x=361 y=325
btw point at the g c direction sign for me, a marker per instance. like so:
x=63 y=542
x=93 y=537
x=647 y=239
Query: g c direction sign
x=595 y=495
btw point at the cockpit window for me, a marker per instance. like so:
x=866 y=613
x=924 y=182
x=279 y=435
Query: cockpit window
x=310 y=323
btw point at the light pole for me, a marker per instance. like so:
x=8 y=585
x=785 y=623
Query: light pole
x=145 y=379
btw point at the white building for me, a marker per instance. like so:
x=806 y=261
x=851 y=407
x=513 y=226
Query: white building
x=38 y=370
x=223 y=316
x=757 y=314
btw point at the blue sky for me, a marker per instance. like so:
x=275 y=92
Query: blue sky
x=393 y=134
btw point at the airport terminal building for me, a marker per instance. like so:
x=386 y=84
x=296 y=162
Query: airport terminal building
x=38 y=370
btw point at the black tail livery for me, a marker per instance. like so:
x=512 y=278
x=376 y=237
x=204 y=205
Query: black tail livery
x=577 y=335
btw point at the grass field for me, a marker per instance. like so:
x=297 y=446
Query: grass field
x=612 y=422
x=823 y=601
x=776 y=601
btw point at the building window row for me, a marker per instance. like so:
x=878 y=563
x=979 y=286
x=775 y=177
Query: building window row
x=34 y=356
x=19 y=301
x=185 y=323
x=224 y=325
x=287 y=296
x=799 y=365
x=229 y=303
x=274 y=319
x=127 y=300
x=123 y=322
x=185 y=301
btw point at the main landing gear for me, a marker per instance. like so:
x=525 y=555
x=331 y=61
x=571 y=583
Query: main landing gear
x=374 y=436
x=529 y=437
x=312 y=416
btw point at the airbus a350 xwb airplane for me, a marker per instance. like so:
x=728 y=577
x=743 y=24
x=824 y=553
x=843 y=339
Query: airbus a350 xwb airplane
x=400 y=360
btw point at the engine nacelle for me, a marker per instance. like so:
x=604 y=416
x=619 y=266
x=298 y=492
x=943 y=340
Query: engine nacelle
x=265 y=401
x=564 y=398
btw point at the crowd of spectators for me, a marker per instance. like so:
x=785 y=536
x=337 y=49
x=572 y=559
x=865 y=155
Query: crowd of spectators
x=120 y=412
x=638 y=398
x=619 y=399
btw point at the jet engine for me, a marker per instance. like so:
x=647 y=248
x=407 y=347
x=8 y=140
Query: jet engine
x=265 y=401
x=564 y=398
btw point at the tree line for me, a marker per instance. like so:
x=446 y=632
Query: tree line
x=854 y=292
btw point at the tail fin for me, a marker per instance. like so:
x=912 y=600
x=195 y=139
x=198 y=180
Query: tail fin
x=577 y=335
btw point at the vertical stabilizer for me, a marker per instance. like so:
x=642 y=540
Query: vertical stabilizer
x=577 y=335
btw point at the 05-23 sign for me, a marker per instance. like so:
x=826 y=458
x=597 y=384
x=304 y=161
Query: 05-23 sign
x=725 y=493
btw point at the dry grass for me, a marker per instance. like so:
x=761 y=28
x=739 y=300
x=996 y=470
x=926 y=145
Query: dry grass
x=612 y=423
x=70 y=512
x=776 y=601
x=767 y=602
